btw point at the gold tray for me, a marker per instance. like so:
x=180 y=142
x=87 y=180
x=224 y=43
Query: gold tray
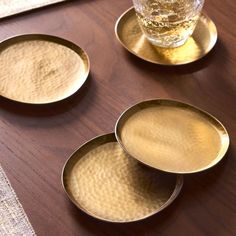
x=41 y=69
x=198 y=45
x=104 y=182
x=172 y=136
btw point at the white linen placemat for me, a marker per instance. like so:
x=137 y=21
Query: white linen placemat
x=13 y=220
x=12 y=7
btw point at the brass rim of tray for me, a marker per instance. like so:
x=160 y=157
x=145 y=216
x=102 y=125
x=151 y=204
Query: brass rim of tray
x=197 y=46
x=83 y=150
x=221 y=130
x=60 y=41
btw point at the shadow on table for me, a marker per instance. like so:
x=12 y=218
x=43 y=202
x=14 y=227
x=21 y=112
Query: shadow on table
x=200 y=184
x=219 y=52
x=208 y=198
x=51 y=109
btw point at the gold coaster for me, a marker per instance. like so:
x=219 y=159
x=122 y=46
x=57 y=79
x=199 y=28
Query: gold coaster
x=172 y=136
x=106 y=183
x=198 y=45
x=41 y=69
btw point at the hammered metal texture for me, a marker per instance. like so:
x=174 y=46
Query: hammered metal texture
x=129 y=34
x=110 y=185
x=172 y=136
x=40 y=71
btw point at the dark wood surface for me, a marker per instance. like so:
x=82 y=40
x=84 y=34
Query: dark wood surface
x=35 y=141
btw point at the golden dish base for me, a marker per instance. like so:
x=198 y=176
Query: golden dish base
x=129 y=34
x=41 y=69
x=172 y=136
x=106 y=183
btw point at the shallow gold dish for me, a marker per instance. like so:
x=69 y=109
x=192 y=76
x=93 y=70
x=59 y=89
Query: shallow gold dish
x=198 y=45
x=172 y=136
x=41 y=69
x=106 y=183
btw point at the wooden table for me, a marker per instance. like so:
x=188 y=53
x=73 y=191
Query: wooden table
x=35 y=141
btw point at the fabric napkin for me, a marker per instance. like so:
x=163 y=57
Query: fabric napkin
x=13 y=220
x=12 y=7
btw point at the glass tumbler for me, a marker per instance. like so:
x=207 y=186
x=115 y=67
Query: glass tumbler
x=168 y=23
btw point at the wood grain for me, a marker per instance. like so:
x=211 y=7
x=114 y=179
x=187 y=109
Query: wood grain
x=36 y=141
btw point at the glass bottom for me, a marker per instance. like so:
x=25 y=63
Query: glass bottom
x=160 y=43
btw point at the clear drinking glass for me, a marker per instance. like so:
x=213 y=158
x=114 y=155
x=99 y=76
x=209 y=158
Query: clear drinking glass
x=168 y=23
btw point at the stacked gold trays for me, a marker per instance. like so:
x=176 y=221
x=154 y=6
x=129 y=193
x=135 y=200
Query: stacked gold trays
x=107 y=179
x=41 y=69
x=129 y=34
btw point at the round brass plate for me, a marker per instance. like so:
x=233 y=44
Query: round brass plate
x=172 y=136
x=198 y=45
x=106 y=183
x=41 y=69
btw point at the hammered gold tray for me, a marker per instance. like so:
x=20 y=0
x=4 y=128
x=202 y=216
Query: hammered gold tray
x=172 y=136
x=41 y=69
x=106 y=183
x=198 y=45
